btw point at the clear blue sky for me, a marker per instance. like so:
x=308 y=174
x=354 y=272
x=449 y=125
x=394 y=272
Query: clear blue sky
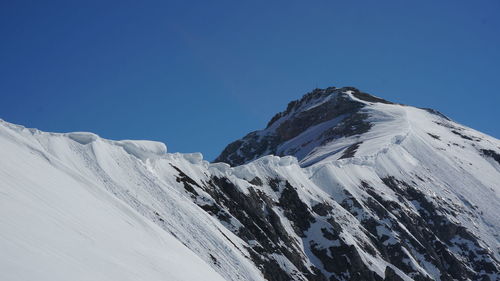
x=197 y=75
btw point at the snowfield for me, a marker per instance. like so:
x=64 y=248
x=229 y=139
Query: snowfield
x=375 y=191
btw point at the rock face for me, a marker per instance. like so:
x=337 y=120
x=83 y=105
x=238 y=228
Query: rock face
x=362 y=189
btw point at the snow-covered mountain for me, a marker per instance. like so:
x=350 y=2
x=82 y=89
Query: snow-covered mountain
x=361 y=189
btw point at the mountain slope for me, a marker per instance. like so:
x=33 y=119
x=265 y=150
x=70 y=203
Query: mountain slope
x=371 y=190
x=384 y=161
x=77 y=203
x=58 y=223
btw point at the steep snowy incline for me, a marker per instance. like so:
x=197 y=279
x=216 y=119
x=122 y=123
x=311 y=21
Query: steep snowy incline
x=58 y=224
x=78 y=207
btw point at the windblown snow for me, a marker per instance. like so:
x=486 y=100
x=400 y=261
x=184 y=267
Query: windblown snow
x=413 y=195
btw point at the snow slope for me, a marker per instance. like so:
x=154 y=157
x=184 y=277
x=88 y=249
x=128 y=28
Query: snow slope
x=62 y=217
x=371 y=190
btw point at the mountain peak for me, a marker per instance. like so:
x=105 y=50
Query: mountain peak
x=318 y=96
x=317 y=118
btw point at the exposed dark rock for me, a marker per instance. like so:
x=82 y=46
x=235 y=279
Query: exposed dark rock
x=295 y=210
x=158 y=216
x=350 y=151
x=351 y=204
x=390 y=275
x=188 y=182
x=355 y=124
x=434 y=136
x=294 y=105
x=214 y=260
x=322 y=209
x=274 y=184
x=329 y=234
x=492 y=154
x=462 y=135
x=270 y=268
x=253 y=146
x=256 y=181
x=216 y=211
x=344 y=261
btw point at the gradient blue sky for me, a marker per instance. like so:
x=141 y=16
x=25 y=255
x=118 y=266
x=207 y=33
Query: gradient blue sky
x=199 y=74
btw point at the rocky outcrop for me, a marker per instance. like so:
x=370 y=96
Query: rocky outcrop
x=394 y=233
